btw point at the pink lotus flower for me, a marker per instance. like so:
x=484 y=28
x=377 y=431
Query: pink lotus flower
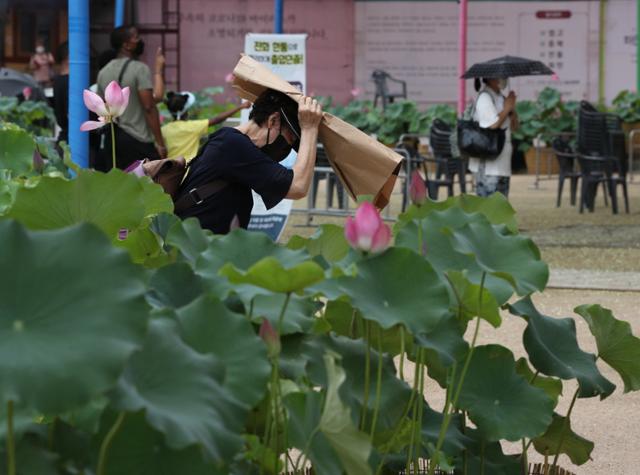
x=356 y=91
x=229 y=78
x=417 y=189
x=555 y=77
x=270 y=337
x=366 y=231
x=26 y=92
x=114 y=104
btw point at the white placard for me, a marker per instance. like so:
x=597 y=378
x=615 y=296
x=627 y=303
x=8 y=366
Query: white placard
x=286 y=56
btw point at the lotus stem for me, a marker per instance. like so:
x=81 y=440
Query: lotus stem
x=416 y=378
x=524 y=456
x=11 y=445
x=367 y=377
x=113 y=145
x=376 y=408
x=106 y=444
x=402 y=351
x=564 y=430
x=282 y=312
x=454 y=403
x=418 y=427
x=353 y=326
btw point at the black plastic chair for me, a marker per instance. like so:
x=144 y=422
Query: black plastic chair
x=567 y=160
x=447 y=164
x=333 y=182
x=381 y=79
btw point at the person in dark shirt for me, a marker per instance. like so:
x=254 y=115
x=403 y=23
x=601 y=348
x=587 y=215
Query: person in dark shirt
x=61 y=92
x=237 y=160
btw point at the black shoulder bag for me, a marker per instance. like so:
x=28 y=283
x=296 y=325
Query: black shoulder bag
x=480 y=142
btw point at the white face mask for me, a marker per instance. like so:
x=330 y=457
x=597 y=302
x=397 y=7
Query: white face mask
x=40 y=49
x=503 y=83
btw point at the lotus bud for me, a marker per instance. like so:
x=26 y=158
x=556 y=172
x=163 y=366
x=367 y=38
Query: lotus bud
x=26 y=92
x=38 y=162
x=417 y=189
x=229 y=78
x=366 y=232
x=271 y=338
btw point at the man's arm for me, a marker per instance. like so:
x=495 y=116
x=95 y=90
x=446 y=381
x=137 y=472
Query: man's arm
x=158 y=76
x=153 y=120
x=225 y=115
x=309 y=117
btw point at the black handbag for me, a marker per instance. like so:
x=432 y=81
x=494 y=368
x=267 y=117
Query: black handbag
x=480 y=142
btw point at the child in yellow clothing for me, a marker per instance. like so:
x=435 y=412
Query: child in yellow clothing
x=182 y=136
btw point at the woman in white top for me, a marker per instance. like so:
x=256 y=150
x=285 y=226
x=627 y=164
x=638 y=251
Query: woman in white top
x=493 y=111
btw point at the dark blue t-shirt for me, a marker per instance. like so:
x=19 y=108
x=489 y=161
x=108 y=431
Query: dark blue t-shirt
x=231 y=156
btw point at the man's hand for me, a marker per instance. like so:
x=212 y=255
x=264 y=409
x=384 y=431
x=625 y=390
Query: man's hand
x=162 y=151
x=160 y=60
x=510 y=102
x=309 y=113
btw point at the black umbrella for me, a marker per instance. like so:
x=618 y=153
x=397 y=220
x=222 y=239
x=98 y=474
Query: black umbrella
x=506 y=67
x=13 y=82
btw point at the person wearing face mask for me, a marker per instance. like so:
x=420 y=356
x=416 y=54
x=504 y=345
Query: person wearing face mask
x=492 y=110
x=235 y=161
x=41 y=64
x=138 y=134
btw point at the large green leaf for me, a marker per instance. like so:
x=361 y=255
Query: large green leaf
x=268 y=273
x=487 y=457
x=473 y=300
x=432 y=235
x=111 y=201
x=553 y=350
x=298 y=316
x=446 y=339
x=209 y=327
x=32 y=458
x=328 y=241
x=72 y=311
x=500 y=402
x=559 y=432
x=386 y=287
x=16 y=149
x=551 y=386
x=139 y=449
x=189 y=238
x=617 y=346
x=174 y=286
x=305 y=410
x=351 y=446
x=179 y=390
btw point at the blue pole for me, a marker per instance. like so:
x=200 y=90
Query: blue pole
x=78 y=79
x=277 y=16
x=119 y=14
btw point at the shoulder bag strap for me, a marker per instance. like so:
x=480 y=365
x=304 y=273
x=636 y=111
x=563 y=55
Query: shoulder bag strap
x=196 y=196
x=122 y=71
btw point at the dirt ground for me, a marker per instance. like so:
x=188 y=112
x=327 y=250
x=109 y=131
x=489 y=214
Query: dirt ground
x=593 y=242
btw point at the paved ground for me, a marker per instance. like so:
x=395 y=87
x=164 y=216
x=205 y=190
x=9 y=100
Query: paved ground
x=586 y=253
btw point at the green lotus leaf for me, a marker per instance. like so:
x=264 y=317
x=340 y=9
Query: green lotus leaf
x=189 y=238
x=328 y=241
x=139 y=449
x=305 y=410
x=496 y=208
x=385 y=291
x=111 y=201
x=488 y=457
x=617 y=346
x=446 y=339
x=243 y=249
x=209 y=327
x=553 y=350
x=268 y=273
x=174 y=286
x=163 y=222
x=471 y=302
x=298 y=316
x=551 y=386
x=513 y=258
x=351 y=446
x=500 y=402
x=143 y=245
x=434 y=231
x=454 y=441
x=559 y=434
x=262 y=456
x=181 y=393
x=72 y=311
x=16 y=150
x=31 y=458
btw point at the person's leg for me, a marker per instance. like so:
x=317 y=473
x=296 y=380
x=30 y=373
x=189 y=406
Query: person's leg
x=502 y=185
x=486 y=185
x=129 y=149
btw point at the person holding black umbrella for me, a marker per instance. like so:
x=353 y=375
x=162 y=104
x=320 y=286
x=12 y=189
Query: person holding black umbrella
x=493 y=111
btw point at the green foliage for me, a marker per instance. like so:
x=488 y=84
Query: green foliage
x=627 y=105
x=144 y=354
x=36 y=117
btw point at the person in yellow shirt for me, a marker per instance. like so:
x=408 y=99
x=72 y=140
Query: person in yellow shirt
x=182 y=136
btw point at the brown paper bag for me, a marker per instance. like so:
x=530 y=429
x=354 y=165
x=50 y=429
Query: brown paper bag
x=364 y=165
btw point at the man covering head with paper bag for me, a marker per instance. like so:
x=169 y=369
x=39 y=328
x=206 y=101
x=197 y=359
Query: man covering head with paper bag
x=364 y=165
